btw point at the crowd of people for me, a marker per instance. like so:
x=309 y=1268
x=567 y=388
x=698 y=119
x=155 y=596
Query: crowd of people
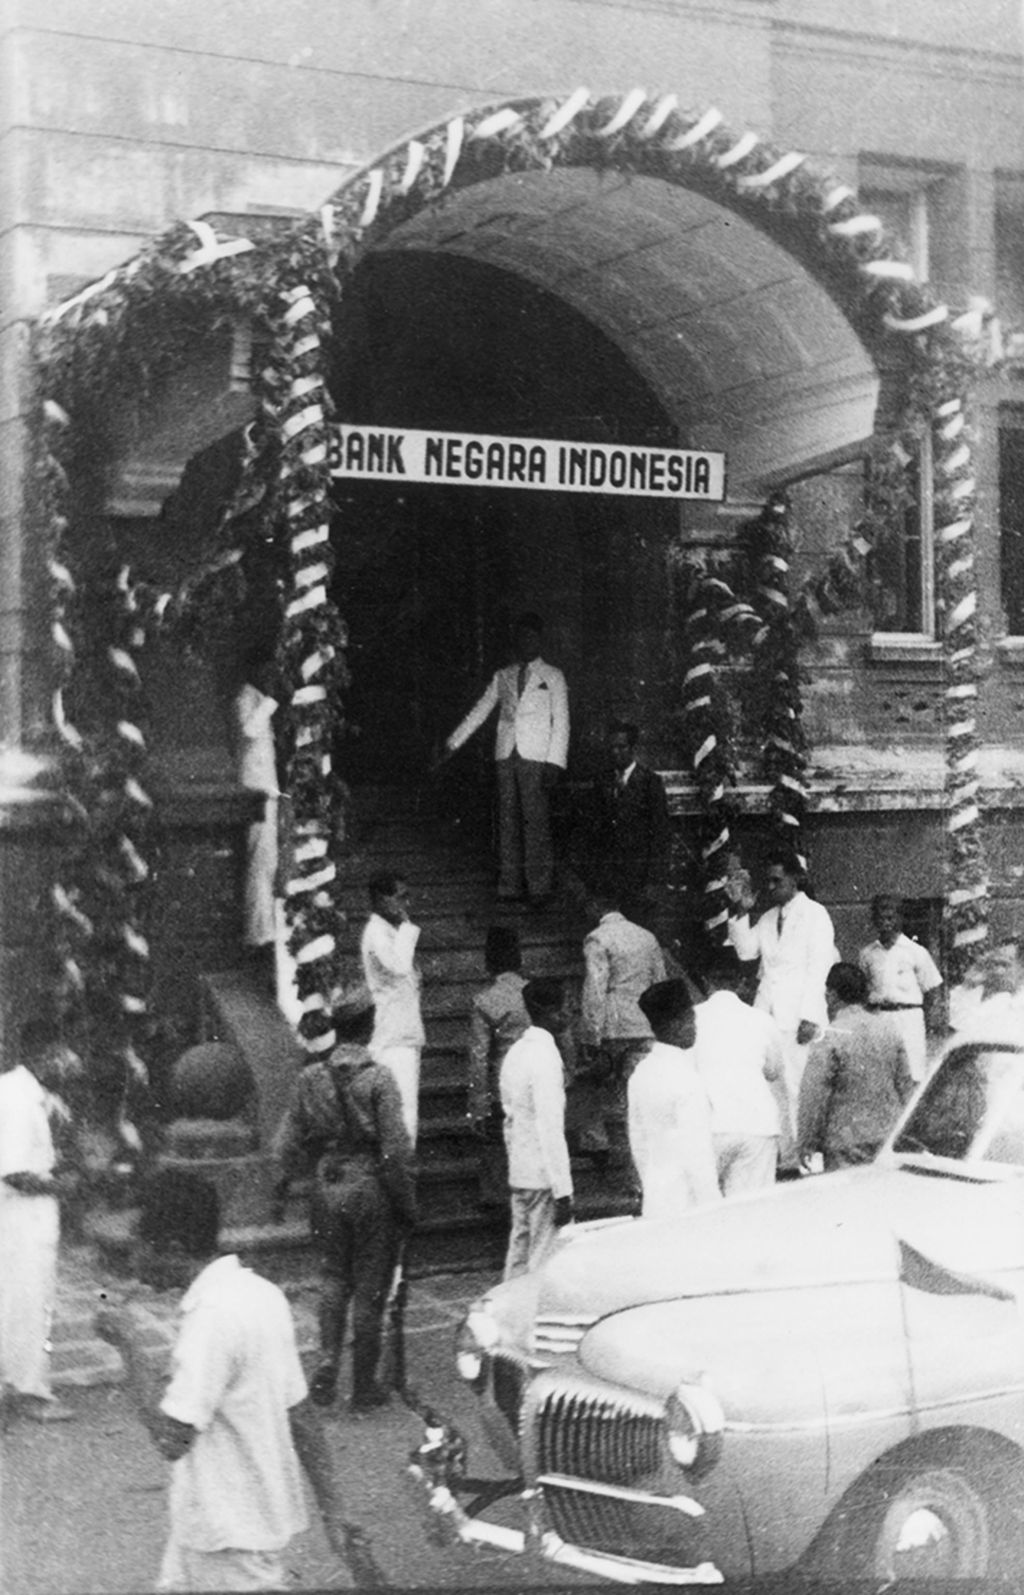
x=773 y=1058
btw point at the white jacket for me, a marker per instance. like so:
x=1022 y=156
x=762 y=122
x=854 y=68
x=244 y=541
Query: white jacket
x=791 y=984
x=389 y=969
x=741 y=1061
x=670 y=1132
x=532 y=1083
x=534 y=724
x=622 y=960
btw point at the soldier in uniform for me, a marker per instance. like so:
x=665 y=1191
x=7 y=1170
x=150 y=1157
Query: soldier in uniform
x=345 y=1119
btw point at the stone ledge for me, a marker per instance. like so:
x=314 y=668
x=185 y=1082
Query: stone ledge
x=857 y=780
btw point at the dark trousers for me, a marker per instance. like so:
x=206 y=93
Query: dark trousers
x=525 y=850
x=354 y=1228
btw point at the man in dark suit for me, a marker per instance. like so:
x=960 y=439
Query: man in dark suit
x=631 y=833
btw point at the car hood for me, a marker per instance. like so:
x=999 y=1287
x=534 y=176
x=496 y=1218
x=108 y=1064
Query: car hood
x=840 y=1228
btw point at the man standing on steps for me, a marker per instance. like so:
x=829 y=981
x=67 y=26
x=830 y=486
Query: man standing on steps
x=530 y=751
x=621 y=961
x=532 y=1085
x=388 y=952
x=632 y=834
x=254 y=708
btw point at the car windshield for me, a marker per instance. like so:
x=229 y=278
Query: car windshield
x=972 y=1109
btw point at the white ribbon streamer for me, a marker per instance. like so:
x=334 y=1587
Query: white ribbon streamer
x=628 y=108
x=309 y=575
x=310 y=538
x=373 y=192
x=312 y=415
x=319 y=947
x=299 y=309
x=453 y=149
x=700 y=130
x=498 y=122
x=773 y=174
x=740 y=150
x=565 y=113
x=413 y=164
x=856 y=226
x=313 y=599
x=928 y=318
x=659 y=116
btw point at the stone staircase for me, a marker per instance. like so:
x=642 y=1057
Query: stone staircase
x=450 y=876
x=451 y=880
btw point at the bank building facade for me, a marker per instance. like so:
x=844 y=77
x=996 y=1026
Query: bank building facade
x=348 y=332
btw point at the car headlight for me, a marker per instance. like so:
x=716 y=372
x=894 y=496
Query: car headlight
x=477 y=1335
x=694 y=1421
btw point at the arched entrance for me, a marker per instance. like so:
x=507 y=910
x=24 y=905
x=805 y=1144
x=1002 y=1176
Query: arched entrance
x=430 y=340
x=747 y=296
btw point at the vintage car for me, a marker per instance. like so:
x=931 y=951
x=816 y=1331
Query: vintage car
x=827 y=1378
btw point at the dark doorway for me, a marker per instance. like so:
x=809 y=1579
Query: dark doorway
x=420 y=578
x=430 y=579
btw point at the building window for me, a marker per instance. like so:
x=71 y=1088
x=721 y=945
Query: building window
x=1011 y=517
x=917 y=205
x=910 y=201
x=901 y=565
x=1010 y=251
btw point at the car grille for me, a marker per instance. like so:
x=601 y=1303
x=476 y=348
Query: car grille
x=507 y=1384
x=625 y=1528
x=604 y=1441
x=591 y=1438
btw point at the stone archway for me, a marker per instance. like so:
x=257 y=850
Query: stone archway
x=820 y=278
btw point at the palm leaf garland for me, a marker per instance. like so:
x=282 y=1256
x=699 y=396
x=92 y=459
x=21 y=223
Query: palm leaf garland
x=125 y=333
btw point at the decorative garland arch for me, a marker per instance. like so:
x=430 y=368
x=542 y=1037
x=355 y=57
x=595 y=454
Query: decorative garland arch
x=119 y=333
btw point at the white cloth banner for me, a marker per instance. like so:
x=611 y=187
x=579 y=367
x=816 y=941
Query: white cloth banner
x=544 y=464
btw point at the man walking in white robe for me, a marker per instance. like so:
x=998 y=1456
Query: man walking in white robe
x=669 y=1116
x=388 y=952
x=29 y=1227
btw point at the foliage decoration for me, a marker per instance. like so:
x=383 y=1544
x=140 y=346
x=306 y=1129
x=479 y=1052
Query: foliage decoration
x=122 y=335
x=765 y=553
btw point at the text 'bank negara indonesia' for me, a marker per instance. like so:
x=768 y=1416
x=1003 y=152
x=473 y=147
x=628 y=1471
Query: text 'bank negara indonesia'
x=408 y=455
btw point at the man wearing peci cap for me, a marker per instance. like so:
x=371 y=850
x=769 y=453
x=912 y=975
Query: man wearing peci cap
x=345 y=1123
x=388 y=953
x=532 y=1086
x=669 y=1114
x=498 y=1018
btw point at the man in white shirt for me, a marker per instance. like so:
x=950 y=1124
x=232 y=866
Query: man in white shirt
x=29 y=1224
x=388 y=952
x=257 y=771
x=531 y=749
x=795 y=942
x=902 y=979
x=235 y=1419
x=669 y=1117
x=532 y=1086
x=742 y=1064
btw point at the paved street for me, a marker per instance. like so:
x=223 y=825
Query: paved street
x=83 y=1505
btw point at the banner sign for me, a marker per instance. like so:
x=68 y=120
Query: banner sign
x=468 y=459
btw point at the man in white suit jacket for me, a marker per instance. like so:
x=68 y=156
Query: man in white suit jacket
x=795 y=942
x=531 y=747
